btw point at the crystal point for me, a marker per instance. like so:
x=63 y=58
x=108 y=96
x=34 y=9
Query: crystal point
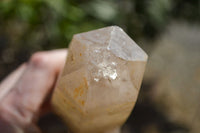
x=101 y=80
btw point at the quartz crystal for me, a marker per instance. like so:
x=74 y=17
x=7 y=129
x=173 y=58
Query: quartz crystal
x=100 y=82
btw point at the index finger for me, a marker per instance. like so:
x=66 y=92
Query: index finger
x=21 y=105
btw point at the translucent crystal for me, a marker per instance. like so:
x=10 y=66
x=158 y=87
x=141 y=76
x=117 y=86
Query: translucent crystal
x=101 y=80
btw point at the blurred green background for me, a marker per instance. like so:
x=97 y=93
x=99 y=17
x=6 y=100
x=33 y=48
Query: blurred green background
x=27 y=26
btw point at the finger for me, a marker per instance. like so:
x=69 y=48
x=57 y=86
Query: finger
x=10 y=80
x=28 y=94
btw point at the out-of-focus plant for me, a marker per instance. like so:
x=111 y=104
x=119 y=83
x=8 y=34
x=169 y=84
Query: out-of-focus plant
x=31 y=25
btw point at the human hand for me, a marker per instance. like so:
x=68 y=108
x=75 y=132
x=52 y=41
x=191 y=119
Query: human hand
x=24 y=92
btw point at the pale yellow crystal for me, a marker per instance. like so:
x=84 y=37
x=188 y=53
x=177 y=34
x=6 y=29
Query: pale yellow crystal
x=100 y=82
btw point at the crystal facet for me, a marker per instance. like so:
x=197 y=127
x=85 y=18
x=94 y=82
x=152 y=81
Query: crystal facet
x=100 y=81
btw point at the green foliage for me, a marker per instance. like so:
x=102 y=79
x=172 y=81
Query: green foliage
x=57 y=21
x=32 y=25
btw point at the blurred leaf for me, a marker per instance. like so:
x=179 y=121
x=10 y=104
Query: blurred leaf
x=25 y=12
x=76 y=14
x=102 y=9
x=158 y=10
x=59 y=6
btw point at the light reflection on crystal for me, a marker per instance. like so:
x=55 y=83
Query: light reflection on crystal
x=97 y=51
x=113 y=75
x=96 y=79
x=114 y=63
x=108 y=71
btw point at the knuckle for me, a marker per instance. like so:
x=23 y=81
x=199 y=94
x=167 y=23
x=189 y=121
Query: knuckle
x=39 y=59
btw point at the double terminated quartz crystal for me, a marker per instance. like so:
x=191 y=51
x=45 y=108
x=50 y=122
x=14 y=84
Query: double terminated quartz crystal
x=100 y=82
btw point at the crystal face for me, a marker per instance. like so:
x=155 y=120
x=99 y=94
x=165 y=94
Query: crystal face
x=100 y=81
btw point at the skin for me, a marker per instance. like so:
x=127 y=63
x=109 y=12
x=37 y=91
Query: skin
x=24 y=94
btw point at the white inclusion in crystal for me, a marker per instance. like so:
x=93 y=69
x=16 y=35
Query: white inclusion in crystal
x=113 y=75
x=114 y=63
x=107 y=71
x=97 y=51
x=96 y=79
